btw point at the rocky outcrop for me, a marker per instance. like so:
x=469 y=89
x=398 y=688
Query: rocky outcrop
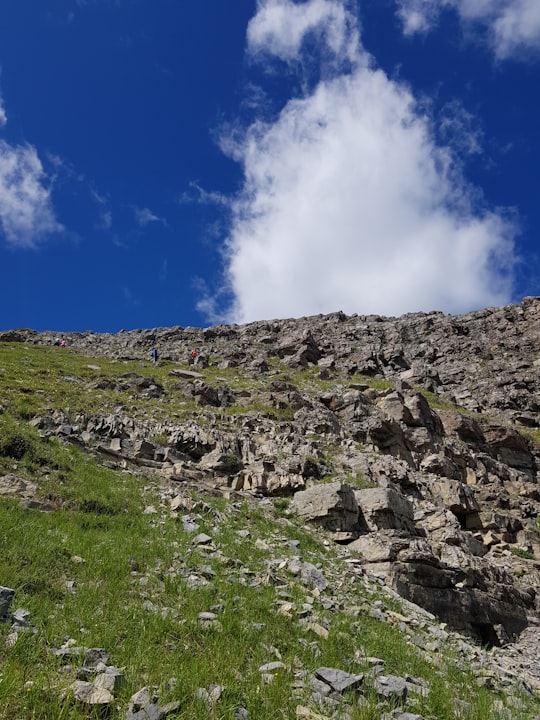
x=331 y=506
x=412 y=446
x=486 y=360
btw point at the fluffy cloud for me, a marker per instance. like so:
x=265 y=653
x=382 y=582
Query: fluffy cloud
x=26 y=213
x=280 y=27
x=513 y=26
x=347 y=201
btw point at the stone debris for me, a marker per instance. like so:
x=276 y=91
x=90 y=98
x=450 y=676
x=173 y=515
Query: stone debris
x=95 y=656
x=390 y=686
x=210 y=695
x=90 y=694
x=20 y=622
x=6 y=597
x=433 y=510
x=153 y=711
x=307 y=714
x=142 y=699
x=339 y=680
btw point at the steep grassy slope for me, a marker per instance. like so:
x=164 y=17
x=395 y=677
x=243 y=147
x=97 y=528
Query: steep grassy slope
x=191 y=594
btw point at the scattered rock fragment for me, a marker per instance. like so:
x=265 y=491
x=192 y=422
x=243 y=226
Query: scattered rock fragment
x=339 y=680
x=6 y=597
x=391 y=686
x=90 y=694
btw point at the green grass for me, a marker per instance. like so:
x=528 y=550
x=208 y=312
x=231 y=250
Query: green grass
x=519 y=552
x=107 y=610
x=101 y=571
x=359 y=481
x=529 y=433
x=38 y=379
x=436 y=402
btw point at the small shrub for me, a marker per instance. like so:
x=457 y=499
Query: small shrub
x=15 y=441
x=281 y=506
x=97 y=507
x=311 y=468
x=15 y=447
x=231 y=463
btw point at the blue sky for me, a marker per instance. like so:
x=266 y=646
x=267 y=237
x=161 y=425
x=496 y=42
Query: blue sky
x=190 y=163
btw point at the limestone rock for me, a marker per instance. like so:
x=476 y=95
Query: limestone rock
x=332 y=506
x=90 y=694
x=385 y=508
x=339 y=680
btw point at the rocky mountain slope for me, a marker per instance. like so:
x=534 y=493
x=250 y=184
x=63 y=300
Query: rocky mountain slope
x=411 y=443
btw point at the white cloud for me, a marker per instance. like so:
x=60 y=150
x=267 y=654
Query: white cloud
x=348 y=203
x=280 y=27
x=459 y=127
x=200 y=196
x=144 y=216
x=26 y=213
x=513 y=26
x=3 y=116
x=105 y=219
x=418 y=15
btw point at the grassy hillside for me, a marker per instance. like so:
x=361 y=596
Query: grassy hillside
x=189 y=593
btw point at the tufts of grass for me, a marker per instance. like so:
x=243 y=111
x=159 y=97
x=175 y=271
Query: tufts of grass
x=359 y=481
x=281 y=414
x=122 y=581
x=161 y=438
x=529 y=433
x=521 y=553
x=436 y=402
x=103 y=572
x=17 y=441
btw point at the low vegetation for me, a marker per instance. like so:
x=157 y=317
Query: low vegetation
x=109 y=565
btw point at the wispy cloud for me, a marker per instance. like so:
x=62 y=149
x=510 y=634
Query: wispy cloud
x=512 y=26
x=144 y=216
x=164 y=270
x=209 y=302
x=105 y=218
x=3 y=116
x=97 y=203
x=26 y=210
x=200 y=196
x=418 y=15
x=129 y=297
x=348 y=202
x=460 y=128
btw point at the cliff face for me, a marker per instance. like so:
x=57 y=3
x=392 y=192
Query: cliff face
x=413 y=441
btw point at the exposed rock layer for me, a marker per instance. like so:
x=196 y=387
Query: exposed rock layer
x=441 y=504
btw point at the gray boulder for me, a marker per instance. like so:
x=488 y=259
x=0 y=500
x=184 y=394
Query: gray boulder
x=332 y=506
